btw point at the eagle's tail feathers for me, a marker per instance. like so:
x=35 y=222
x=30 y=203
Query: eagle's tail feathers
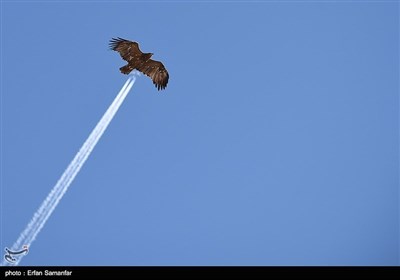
x=126 y=69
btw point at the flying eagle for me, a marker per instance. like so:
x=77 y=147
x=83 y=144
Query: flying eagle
x=130 y=52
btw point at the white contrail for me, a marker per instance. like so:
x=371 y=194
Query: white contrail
x=50 y=203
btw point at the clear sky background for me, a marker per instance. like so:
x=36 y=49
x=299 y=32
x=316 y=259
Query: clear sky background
x=276 y=141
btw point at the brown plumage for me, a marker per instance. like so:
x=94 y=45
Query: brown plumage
x=136 y=59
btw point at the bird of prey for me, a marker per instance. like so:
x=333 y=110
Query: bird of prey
x=136 y=59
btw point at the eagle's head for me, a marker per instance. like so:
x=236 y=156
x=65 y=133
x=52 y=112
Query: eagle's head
x=147 y=56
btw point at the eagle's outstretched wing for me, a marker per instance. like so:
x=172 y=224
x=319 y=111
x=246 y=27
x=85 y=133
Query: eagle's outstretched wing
x=156 y=71
x=128 y=50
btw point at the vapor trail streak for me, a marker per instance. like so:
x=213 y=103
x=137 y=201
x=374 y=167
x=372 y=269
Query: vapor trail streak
x=50 y=203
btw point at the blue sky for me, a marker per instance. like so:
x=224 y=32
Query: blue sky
x=276 y=141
